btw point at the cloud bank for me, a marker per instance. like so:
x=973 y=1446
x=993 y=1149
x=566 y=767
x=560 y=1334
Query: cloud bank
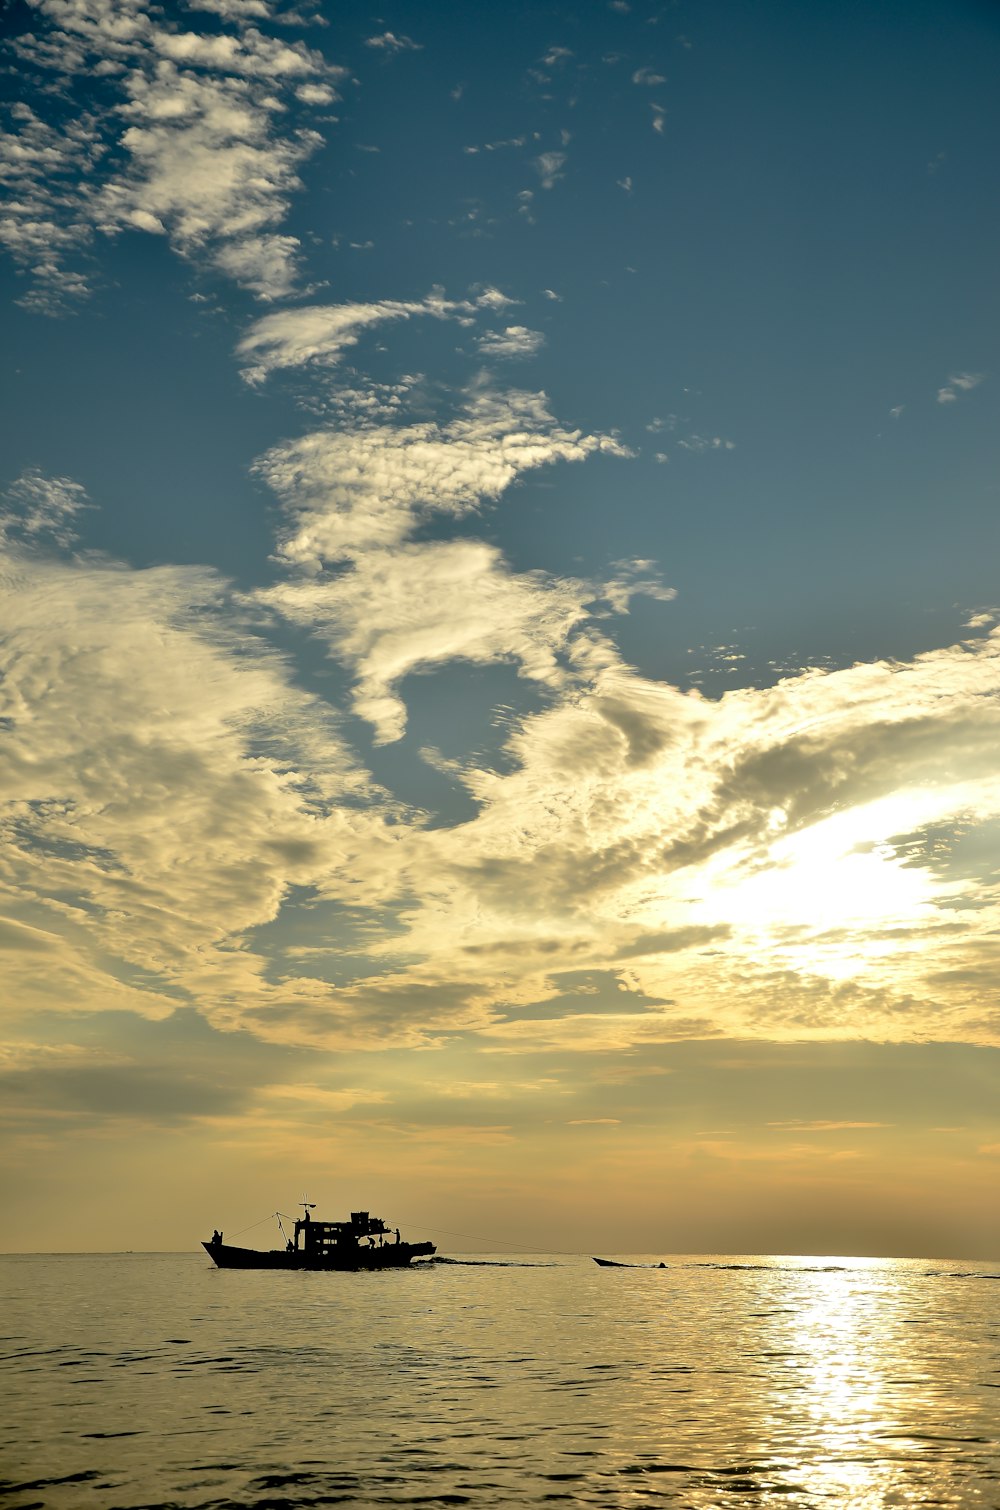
x=797 y=860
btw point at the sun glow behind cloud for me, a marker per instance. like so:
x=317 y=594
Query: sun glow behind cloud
x=840 y=876
x=634 y=825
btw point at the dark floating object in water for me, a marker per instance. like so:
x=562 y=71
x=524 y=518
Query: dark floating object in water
x=357 y=1244
x=614 y=1263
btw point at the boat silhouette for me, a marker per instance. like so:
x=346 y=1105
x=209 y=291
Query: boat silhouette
x=360 y=1243
x=616 y=1263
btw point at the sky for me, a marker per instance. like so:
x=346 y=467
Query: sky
x=500 y=623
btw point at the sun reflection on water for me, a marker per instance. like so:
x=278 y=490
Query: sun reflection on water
x=845 y=1340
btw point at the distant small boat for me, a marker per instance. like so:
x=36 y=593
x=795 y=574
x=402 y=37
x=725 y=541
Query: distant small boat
x=347 y=1246
x=614 y=1263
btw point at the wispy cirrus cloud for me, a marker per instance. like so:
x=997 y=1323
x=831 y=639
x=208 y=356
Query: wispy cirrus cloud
x=800 y=1127
x=318 y=334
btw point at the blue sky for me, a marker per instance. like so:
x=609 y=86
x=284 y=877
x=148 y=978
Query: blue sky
x=500 y=534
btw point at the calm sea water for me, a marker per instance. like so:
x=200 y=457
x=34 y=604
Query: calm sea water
x=157 y=1380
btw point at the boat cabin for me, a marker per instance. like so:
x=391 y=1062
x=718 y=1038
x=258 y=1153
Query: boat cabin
x=318 y=1239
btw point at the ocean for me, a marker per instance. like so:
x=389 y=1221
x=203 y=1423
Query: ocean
x=156 y=1380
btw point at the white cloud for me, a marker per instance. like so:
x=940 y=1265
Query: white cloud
x=241 y=11
x=549 y=166
x=419 y=606
x=635 y=807
x=319 y=333
x=635 y=578
x=316 y=94
x=161 y=785
x=204 y=165
x=700 y=443
x=515 y=341
x=36 y=507
x=492 y=298
x=130 y=32
x=958 y=383
x=647 y=76
x=345 y=492
x=788 y=861
x=46 y=217
x=266 y=265
x=250 y=55
x=388 y=42
x=200 y=159
x=497 y=146
x=108 y=29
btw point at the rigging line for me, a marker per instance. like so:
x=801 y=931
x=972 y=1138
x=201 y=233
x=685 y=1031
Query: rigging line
x=517 y=1247
x=268 y=1218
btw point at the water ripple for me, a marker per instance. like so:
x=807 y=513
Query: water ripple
x=161 y=1384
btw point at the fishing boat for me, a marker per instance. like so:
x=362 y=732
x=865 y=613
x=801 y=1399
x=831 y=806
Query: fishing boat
x=615 y=1263
x=363 y=1242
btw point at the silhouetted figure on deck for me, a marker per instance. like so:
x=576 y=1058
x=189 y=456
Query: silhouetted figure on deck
x=216 y=1236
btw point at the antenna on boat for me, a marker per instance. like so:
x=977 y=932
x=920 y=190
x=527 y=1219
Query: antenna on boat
x=308 y=1205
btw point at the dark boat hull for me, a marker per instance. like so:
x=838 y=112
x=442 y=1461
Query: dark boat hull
x=390 y=1256
x=614 y=1263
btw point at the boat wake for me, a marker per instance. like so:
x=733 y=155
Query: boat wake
x=492 y=1263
